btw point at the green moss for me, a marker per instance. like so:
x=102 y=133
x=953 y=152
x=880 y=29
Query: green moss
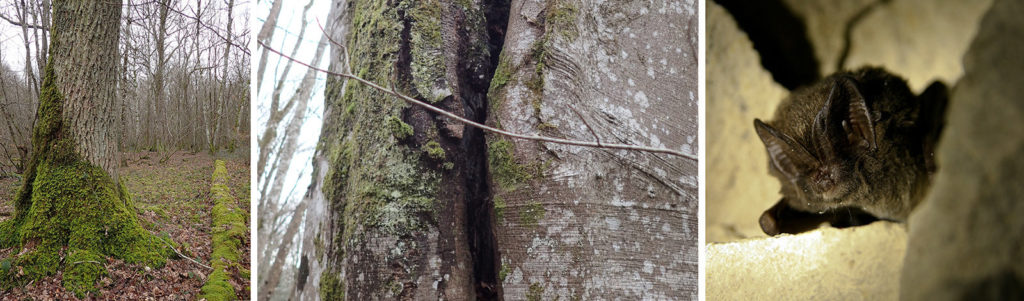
x=228 y=233
x=351 y=108
x=434 y=150
x=499 y=208
x=538 y=53
x=535 y=293
x=502 y=75
x=561 y=16
x=532 y=213
x=427 y=46
x=9 y=233
x=217 y=287
x=77 y=206
x=82 y=270
x=503 y=272
x=399 y=129
x=331 y=288
x=396 y=288
x=505 y=171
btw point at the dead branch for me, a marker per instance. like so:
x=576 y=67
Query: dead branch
x=186 y=257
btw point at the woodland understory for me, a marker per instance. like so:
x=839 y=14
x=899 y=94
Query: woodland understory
x=110 y=131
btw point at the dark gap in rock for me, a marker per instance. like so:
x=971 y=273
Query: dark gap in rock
x=780 y=37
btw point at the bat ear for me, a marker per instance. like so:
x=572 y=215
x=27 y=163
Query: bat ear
x=862 y=127
x=786 y=155
x=825 y=129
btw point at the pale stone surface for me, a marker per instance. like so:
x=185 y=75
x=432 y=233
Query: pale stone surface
x=965 y=238
x=921 y=40
x=825 y=22
x=738 y=90
x=860 y=263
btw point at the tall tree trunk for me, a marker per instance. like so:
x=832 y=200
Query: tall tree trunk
x=419 y=207
x=71 y=212
x=30 y=74
x=405 y=190
x=272 y=280
x=291 y=140
x=158 y=119
x=265 y=35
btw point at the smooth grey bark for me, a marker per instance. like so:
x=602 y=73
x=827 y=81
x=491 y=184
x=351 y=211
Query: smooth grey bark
x=593 y=223
x=265 y=36
x=285 y=152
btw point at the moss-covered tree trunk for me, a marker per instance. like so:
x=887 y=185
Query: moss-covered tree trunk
x=71 y=213
x=404 y=188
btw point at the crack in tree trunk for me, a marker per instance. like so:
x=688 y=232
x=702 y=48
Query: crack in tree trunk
x=479 y=203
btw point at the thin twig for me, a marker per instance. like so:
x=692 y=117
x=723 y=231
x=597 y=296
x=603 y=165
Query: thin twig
x=482 y=126
x=183 y=255
x=348 y=68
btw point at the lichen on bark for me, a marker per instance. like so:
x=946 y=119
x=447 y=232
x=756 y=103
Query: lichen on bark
x=376 y=187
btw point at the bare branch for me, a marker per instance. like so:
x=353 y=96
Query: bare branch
x=26 y=24
x=482 y=126
x=186 y=257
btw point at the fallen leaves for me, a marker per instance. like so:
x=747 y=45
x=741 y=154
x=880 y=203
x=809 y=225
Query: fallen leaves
x=172 y=199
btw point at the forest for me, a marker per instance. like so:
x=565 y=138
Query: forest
x=124 y=138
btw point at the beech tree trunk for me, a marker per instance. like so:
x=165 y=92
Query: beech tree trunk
x=416 y=206
x=589 y=223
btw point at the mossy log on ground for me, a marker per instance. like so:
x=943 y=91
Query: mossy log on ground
x=228 y=234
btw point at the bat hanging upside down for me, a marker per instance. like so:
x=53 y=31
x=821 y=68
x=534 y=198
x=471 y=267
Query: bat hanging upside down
x=851 y=149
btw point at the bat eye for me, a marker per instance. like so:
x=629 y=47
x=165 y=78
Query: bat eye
x=824 y=180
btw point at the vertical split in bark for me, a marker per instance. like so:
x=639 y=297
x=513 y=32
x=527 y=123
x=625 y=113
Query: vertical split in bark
x=479 y=203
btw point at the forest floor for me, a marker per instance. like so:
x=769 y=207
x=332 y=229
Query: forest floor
x=172 y=197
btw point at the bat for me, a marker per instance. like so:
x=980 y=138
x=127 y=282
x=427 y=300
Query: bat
x=855 y=147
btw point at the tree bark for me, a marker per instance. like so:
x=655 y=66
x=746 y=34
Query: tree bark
x=265 y=35
x=585 y=222
x=405 y=191
x=71 y=210
x=420 y=207
x=158 y=119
